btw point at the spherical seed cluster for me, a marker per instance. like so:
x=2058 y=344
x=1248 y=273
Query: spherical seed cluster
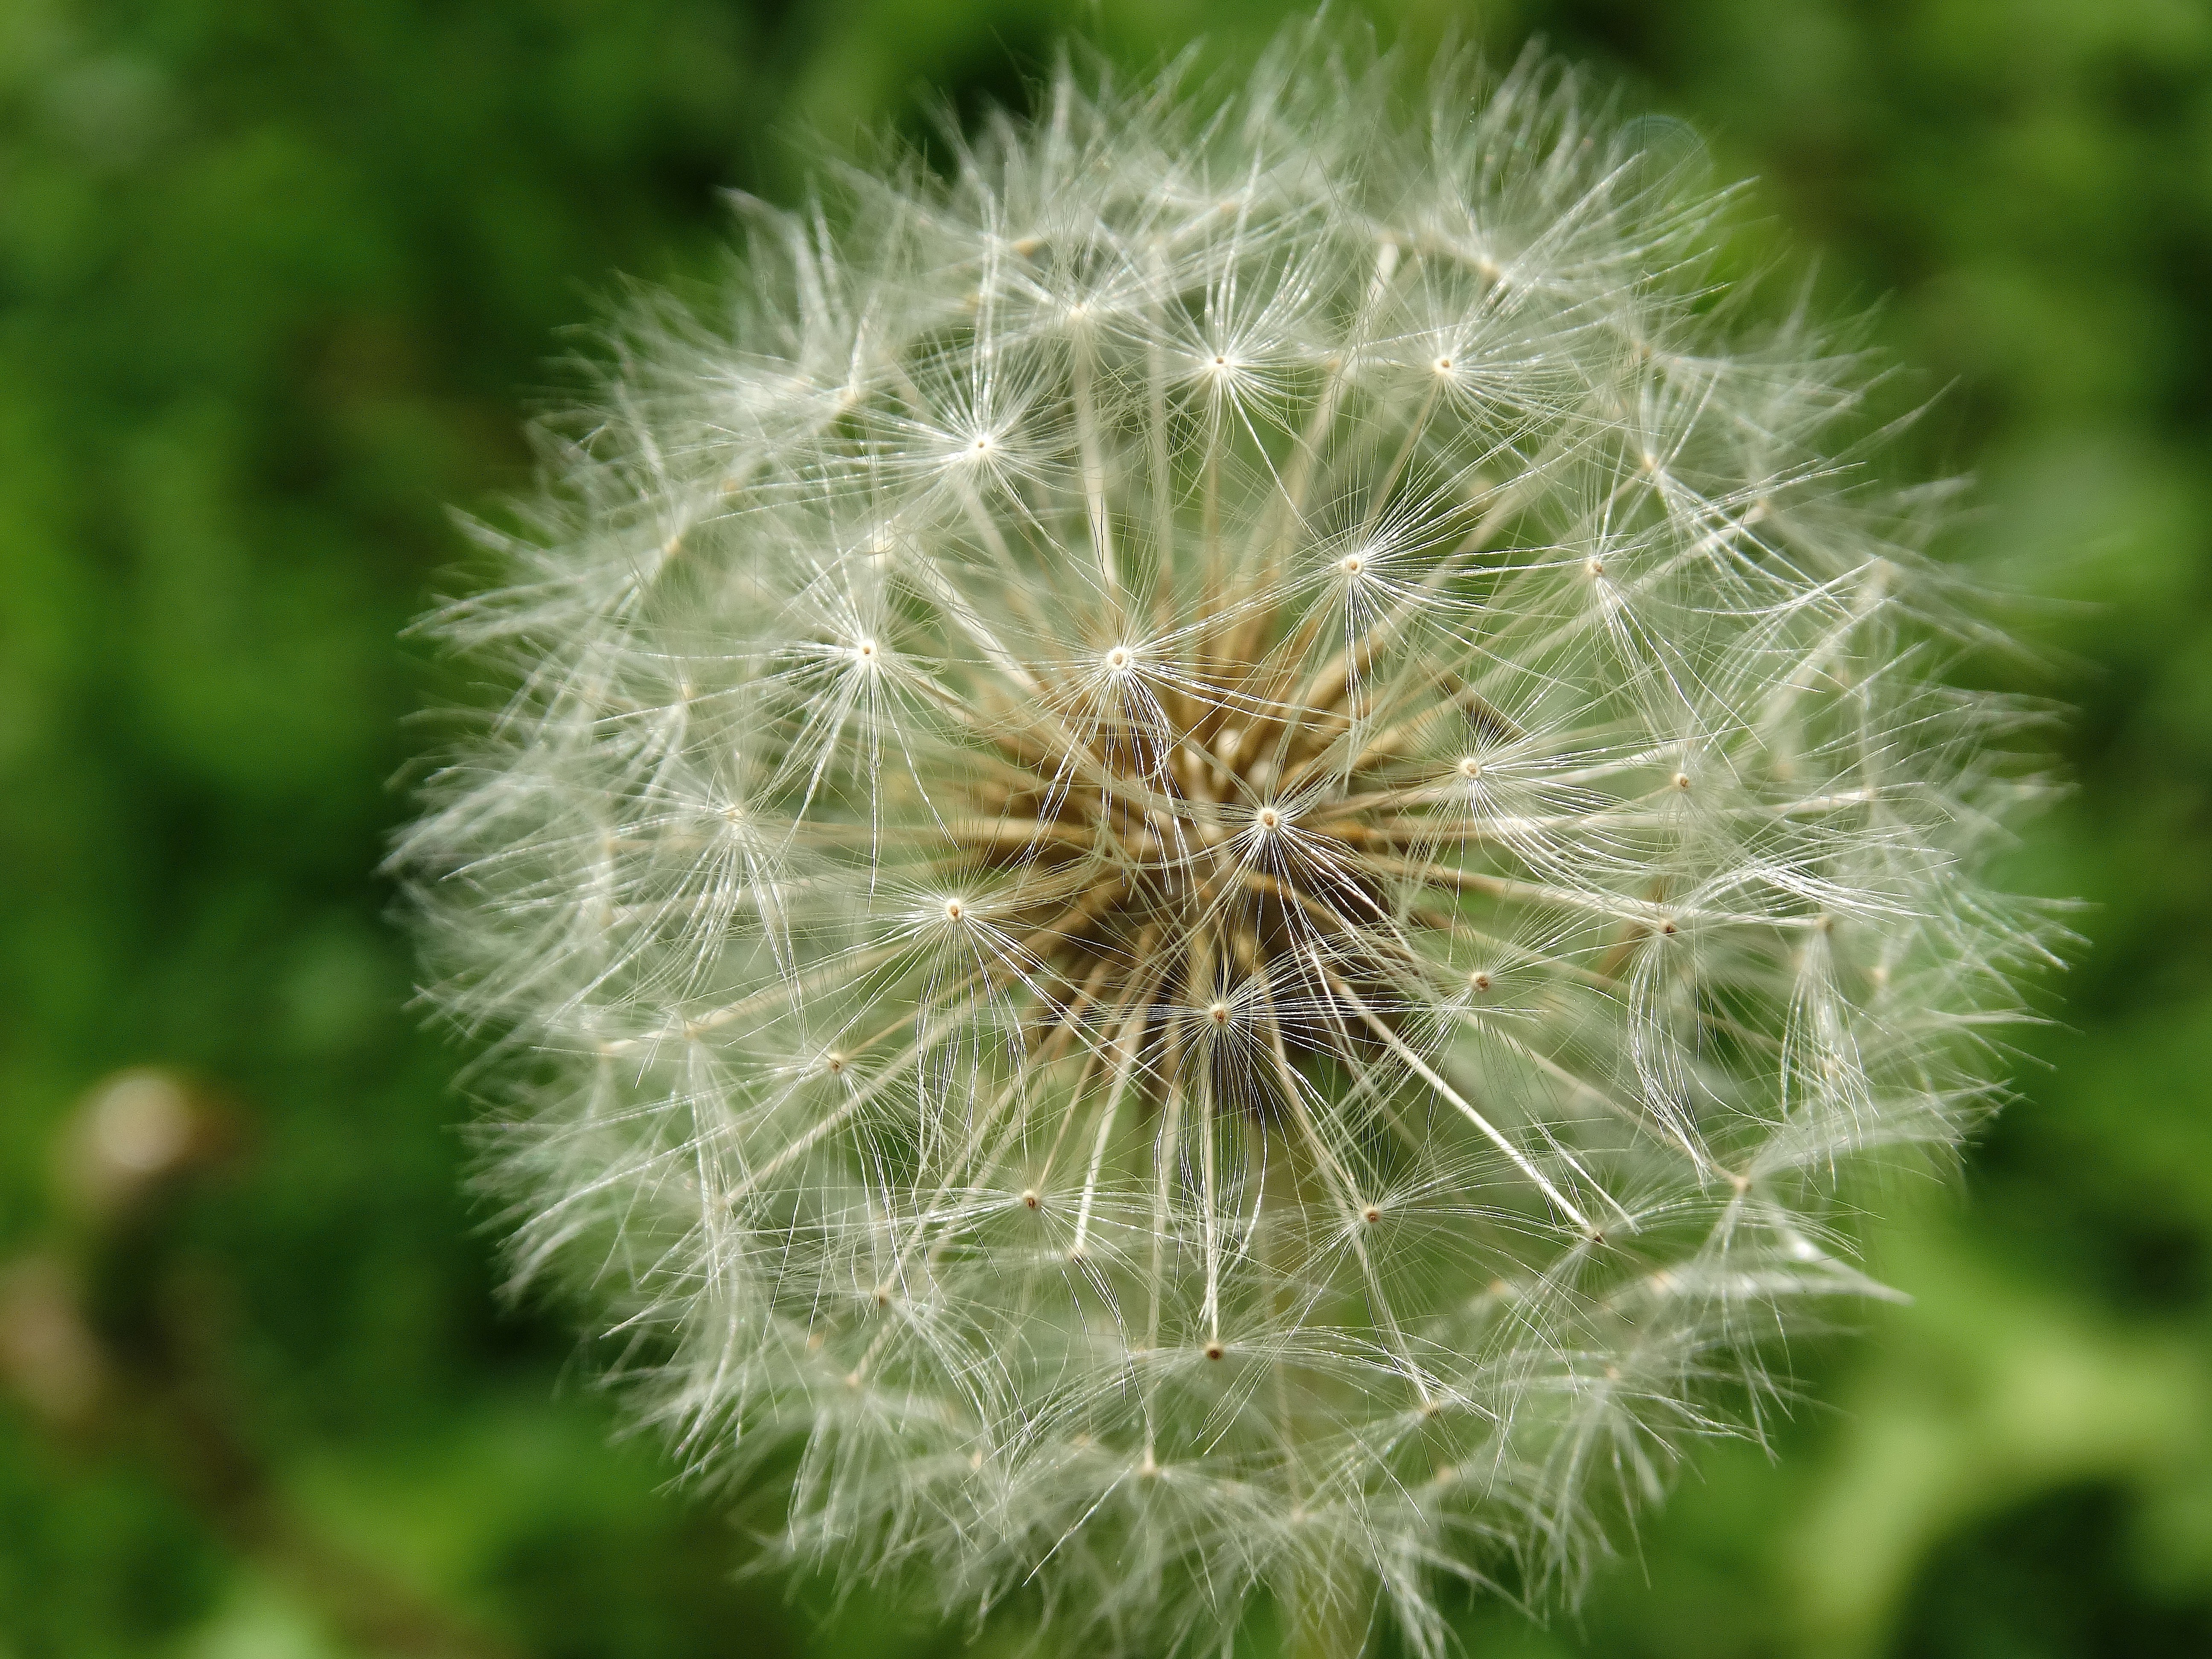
x=1207 y=846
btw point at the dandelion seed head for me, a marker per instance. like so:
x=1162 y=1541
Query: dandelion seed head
x=1211 y=826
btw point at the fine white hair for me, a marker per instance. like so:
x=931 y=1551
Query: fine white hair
x=1206 y=844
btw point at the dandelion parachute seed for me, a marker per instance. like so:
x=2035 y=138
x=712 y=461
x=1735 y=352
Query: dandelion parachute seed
x=1208 y=845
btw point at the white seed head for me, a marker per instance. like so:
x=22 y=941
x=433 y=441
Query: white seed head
x=1203 y=1135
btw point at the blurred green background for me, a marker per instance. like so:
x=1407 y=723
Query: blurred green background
x=278 y=281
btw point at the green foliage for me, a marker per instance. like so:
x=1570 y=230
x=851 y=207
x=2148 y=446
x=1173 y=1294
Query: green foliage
x=275 y=283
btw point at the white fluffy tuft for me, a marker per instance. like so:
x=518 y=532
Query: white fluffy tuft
x=1208 y=845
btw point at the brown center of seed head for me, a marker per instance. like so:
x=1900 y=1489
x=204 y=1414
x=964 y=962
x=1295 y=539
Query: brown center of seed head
x=1159 y=879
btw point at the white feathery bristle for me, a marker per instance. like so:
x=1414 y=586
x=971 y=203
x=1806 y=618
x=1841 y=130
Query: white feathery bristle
x=1209 y=844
